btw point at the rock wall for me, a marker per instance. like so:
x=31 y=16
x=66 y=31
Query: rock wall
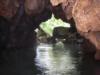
x=19 y=19
x=8 y=8
x=17 y=36
x=86 y=14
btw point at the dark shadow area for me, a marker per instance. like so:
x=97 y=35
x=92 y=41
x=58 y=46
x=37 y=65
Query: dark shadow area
x=18 y=42
x=18 y=62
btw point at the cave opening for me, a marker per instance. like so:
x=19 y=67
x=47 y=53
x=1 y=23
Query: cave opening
x=26 y=51
x=18 y=54
x=52 y=29
x=58 y=47
x=19 y=49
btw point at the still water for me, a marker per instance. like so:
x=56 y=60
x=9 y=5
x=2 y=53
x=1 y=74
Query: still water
x=58 y=59
x=61 y=59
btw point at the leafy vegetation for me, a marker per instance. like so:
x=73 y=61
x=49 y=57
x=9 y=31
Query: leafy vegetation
x=49 y=25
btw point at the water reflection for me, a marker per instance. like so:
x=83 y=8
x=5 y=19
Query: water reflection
x=50 y=60
x=56 y=60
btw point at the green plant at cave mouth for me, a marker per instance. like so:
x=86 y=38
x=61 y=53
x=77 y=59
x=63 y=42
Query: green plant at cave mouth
x=50 y=24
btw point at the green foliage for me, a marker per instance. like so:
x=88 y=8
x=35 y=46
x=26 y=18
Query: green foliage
x=50 y=24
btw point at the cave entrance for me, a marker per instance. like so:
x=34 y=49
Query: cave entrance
x=53 y=30
x=54 y=54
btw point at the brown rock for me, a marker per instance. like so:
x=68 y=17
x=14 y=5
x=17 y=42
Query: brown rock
x=8 y=8
x=33 y=7
x=57 y=2
x=86 y=14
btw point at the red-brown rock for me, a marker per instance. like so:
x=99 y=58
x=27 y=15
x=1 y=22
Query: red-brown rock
x=86 y=14
x=34 y=7
x=8 y=8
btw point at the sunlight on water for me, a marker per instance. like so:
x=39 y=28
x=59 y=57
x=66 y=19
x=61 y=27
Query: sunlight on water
x=54 y=60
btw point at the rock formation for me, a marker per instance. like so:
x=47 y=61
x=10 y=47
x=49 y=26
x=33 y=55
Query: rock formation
x=24 y=16
x=86 y=14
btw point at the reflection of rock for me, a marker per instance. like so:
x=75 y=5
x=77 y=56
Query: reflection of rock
x=55 y=61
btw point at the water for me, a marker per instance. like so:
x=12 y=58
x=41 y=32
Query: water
x=58 y=59
x=61 y=59
x=65 y=59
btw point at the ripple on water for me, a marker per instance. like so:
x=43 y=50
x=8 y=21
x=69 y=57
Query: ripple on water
x=55 y=61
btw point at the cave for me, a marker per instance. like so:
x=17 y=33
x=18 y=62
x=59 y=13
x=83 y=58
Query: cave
x=20 y=18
